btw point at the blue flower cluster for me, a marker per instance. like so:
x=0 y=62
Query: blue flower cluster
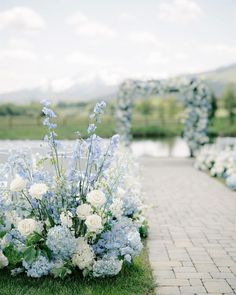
x=61 y=241
x=40 y=267
x=107 y=266
x=122 y=240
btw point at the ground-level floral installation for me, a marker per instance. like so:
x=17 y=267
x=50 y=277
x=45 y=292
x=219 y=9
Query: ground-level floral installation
x=219 y=161
x=75 y=209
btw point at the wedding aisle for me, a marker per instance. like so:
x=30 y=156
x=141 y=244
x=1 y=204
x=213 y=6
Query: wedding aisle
x=192 y=239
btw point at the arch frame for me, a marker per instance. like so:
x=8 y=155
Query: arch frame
x=196 y=96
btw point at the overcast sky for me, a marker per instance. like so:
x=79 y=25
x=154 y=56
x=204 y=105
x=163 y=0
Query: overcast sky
x=65 y=41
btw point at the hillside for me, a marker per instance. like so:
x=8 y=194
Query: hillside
x=99 y=89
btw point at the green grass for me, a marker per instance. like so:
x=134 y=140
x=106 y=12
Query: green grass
x=23 y=127
x=222 y=127
x=133 y=280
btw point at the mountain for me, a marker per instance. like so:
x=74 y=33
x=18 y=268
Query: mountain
x=97 y=88
x=92 y=90
x=219 y=78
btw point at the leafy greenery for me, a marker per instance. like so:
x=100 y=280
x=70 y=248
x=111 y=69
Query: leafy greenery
x=229 y=101
x=134 y=280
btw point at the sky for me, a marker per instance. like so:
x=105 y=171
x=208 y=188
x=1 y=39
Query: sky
x=57 y=43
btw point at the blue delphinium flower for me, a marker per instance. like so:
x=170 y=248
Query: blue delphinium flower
x=91 y=128
x=61 y=241
x=98 y=111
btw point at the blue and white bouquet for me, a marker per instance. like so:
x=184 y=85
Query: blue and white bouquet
x=65 y=210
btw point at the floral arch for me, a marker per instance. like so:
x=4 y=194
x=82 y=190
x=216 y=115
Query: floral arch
x=196 y=97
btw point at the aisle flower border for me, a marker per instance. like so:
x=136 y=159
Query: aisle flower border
x=197 y=99
x=218 y=161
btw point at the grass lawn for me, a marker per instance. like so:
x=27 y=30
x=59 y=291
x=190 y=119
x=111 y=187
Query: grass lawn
x=134 y=280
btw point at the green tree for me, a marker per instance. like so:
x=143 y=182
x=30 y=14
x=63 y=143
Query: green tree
x=145 y=108
x=229 y=101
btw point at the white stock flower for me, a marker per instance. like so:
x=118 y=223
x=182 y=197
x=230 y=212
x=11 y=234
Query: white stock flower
x=96 y=198
x=66 y=218
x=17 y=184
x=83 y=211
x=28 y=226
x=94 y=223
x=37 y=190
x=84 y=256
x=3 y=260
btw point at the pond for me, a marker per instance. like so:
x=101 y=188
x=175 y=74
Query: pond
x=173 y=147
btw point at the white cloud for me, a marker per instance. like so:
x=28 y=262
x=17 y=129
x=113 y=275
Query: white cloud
x=143 y=37
x=179 y=11
x=17 y=54
x=127 y=16
x=157 y=58
x=62 y=84
x=219 y=48
x=85 y=59
x=84 y=26
x=21 y=18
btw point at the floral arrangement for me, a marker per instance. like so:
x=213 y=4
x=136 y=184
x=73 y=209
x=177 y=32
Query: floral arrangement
x=219 y=161
x=70 y=210
x=196 y=98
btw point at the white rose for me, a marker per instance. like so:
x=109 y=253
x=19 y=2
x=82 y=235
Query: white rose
x=94 y=223
x=83 y=211
x=28 y=226
x=84 y=255
x=3 y=260
x=66 y=218
x=96 y=198
x=17 y=184
x=37 y=190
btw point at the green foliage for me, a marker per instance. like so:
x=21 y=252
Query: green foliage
x=30 y=254
x=143 y=230
x=134 y=280
x=229 y=102
x=12 y=255
x=61 y=272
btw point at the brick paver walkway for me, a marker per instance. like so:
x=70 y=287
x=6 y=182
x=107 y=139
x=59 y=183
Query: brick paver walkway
x=192 y=244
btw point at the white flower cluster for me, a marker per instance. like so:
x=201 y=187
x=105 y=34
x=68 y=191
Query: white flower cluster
x=219 y=161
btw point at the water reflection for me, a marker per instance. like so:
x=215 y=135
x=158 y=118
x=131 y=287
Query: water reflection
x=172 y=147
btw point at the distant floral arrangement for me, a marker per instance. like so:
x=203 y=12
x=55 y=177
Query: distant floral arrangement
x=60 y=212
x=196 y=97
x=219 y=161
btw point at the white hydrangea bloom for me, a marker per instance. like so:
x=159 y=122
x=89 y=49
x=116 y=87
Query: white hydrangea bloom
x=96 y=198
x=37 y=190
x=84 y=256
x=117 y=208
x=18 y=184
x=3 y=260
x=66 y=218
x=28 y=226
x=94 y=223
x=83 y=211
